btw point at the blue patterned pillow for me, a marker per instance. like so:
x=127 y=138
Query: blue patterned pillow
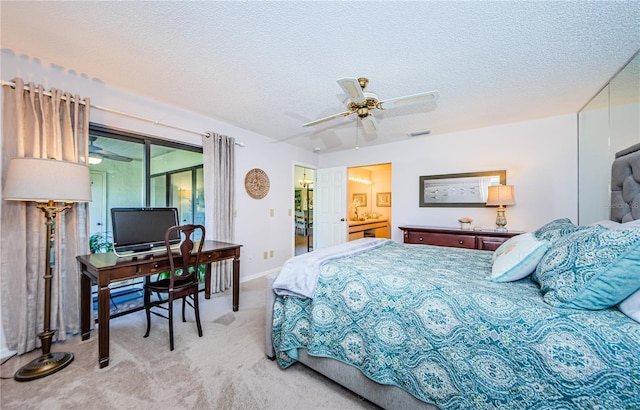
x=556 y=229
x=593 y=268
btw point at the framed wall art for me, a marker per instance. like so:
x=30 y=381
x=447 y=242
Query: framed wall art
x=383 y=199
x=360 y=199
x=459 y=190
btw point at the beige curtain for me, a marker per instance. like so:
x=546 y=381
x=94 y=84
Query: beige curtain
x=219 y=198
x=41 y=126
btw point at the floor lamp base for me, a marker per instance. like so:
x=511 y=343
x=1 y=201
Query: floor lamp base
x=43 y=366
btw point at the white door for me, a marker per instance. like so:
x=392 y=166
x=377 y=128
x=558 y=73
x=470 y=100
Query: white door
x=330 y=207
x=97 y=206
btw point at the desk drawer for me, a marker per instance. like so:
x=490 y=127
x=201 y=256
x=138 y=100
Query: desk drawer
x=210 y=256
x=133 y=271
x=441 y=239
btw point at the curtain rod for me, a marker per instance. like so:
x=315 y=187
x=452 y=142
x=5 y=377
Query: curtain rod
x=124 y=114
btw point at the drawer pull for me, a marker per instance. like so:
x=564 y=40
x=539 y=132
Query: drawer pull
x=420 y=239
x=460 y=242
x=155 y=265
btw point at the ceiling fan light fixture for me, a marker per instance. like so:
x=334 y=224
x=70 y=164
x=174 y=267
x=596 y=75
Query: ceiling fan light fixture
x=94 y=160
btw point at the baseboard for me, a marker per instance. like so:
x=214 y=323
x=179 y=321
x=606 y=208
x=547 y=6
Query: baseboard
x=5 y=352
x=259 y=275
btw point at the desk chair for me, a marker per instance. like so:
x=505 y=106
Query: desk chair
x=182 y=281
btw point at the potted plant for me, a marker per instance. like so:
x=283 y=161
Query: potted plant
x=100 y=242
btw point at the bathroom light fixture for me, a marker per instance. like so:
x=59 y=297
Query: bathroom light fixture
x=362 y=181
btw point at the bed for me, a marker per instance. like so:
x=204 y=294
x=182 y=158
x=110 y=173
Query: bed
x=549 y=320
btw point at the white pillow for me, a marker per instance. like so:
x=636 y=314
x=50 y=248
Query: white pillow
x=617 y=225
x=631 y=306
x=517 y=257
x=607 y=224
x=630 y=224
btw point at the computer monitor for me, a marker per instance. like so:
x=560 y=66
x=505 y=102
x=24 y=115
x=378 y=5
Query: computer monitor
x=142 y=229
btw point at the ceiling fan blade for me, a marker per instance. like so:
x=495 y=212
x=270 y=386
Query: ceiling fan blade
x=370 y=124
x=95 y=151
x=421 y=98
x=352 y=88
x=331 y=117
x=116 y=157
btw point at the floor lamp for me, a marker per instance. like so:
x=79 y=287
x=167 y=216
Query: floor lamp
x=47 y=181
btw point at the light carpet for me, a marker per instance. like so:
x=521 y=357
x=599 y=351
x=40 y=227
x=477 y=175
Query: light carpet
x=224 y=369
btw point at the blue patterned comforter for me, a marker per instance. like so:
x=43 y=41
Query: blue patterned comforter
x=427 y=320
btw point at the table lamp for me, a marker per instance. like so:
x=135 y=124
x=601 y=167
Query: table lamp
x=46 y=181
x=501 y=196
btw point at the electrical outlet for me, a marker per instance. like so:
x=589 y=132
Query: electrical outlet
x=272 y=212
x=289 y=211
x=271 y=253
x=266 y=255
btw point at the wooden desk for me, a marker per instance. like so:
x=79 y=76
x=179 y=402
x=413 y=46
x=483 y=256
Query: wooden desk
x=104 y=268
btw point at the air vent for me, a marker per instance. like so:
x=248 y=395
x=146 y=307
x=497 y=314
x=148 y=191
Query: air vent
x=418 y=133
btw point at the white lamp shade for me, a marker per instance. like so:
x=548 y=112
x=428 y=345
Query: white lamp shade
x=42 y=180
x=501 y=195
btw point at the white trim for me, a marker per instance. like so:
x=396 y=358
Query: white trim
x=260 y=274
x=5 y=352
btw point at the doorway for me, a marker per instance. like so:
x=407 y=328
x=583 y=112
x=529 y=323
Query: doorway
x=369 y=201
x=303 y=209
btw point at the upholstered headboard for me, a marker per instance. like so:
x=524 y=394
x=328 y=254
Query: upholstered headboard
x=625 y=185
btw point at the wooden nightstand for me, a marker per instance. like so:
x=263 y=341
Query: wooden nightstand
x=456 y=238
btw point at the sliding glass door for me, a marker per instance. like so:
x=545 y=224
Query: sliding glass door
x=132 y=170
x=129 y=170
x=182 y=189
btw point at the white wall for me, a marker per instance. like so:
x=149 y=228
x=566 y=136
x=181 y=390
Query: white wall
x=540 y=158
x=256 y=230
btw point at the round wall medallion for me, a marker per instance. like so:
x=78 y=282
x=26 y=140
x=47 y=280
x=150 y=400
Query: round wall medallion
x=256 y=183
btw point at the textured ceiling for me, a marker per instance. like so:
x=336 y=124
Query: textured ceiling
x=269 y=66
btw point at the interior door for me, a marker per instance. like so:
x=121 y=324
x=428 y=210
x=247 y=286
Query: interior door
x=330 y=210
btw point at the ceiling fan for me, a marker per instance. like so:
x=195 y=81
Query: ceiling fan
x=97 y=153
x=364 y=103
